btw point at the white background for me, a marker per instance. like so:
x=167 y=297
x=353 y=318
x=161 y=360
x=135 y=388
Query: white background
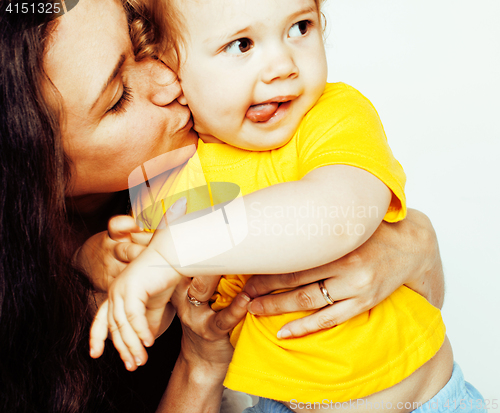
x=432 y=70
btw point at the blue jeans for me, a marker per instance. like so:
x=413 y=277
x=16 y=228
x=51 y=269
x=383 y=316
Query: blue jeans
x=456 y=396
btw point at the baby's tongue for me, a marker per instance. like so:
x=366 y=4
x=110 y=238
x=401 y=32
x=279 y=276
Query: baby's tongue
x=263 y=112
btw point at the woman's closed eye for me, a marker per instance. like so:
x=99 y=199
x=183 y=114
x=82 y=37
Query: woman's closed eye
x=300 y=28
x=120 y=105
x=239 y=46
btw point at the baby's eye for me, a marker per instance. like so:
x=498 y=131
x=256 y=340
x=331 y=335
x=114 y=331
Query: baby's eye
x=239 y=46
x=299 y=28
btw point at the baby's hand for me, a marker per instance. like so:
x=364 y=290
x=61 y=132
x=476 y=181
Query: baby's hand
x=107 y=254
x=134 y=310
x=136 y=303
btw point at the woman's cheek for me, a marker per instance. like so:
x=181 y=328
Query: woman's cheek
x=135 y=130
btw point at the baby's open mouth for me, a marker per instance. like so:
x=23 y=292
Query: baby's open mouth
x=264 y=111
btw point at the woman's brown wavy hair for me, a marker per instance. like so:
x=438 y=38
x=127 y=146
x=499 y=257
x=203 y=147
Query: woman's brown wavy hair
x=45 y=312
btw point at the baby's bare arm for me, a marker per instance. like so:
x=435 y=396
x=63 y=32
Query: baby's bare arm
x=295 y=225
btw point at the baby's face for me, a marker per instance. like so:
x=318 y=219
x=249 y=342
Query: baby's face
x=251 y=69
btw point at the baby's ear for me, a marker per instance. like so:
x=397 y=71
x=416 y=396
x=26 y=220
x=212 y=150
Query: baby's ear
x=182 y=100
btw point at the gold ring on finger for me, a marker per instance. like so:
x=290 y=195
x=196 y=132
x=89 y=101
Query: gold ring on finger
x=325 y=293
x=192 y=300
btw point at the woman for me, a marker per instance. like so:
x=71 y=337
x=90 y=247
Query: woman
x=69 y=139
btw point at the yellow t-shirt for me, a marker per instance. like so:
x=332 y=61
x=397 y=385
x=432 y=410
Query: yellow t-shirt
x=364 y=355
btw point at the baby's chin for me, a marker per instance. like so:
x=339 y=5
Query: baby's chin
x=251 y=139
x=261 y=143
x=273 y=139
x=257 y=144
x=209 y=138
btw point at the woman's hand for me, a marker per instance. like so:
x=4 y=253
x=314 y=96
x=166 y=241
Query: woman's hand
x=106 y=254
x=403 y=253
x=196 y=382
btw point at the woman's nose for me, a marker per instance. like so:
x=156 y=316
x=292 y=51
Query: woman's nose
x=279 y=65
x=164 y=85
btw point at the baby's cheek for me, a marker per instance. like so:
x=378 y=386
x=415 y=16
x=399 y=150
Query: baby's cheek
x=198 y=127
x=201 y=125
x=206 y=115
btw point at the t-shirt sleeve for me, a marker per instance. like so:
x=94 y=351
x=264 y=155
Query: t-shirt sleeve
x=344 y=128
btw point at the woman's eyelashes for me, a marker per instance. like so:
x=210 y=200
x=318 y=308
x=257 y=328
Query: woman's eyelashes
x=300 y=28
x=120 y=105
x=239 y=46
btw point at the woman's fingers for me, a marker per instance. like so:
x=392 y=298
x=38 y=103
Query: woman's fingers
x=179 y=298
x=304 y=298
x=205 y=332
x=120 y=227
x=225 y=320
x=202 y=288
x=202 y=319
x=264 y=284
x=127 y=251
x=325 y=318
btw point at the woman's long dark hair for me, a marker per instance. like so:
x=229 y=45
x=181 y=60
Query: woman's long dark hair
x=44 y=306
x=45 y=311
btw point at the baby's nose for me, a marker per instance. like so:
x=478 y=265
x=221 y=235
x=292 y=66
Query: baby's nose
x=280 y=65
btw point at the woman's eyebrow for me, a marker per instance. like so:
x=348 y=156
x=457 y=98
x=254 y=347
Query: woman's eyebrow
x=113 y=75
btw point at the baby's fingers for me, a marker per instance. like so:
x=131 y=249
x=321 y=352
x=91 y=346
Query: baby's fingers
x=121 y=347
x=131 y=329
x=135 y=311
x=99 y=331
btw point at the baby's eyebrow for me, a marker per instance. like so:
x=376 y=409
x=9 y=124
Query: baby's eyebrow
x=246 y=29
x=229 y=34
x=306 y=10
x=226 y=34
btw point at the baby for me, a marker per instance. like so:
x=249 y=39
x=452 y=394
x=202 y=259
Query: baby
x=253 y=74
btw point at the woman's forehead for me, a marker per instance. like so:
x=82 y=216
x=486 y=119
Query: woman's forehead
x=92 y=13
x=90 y=23
x=84 y=48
